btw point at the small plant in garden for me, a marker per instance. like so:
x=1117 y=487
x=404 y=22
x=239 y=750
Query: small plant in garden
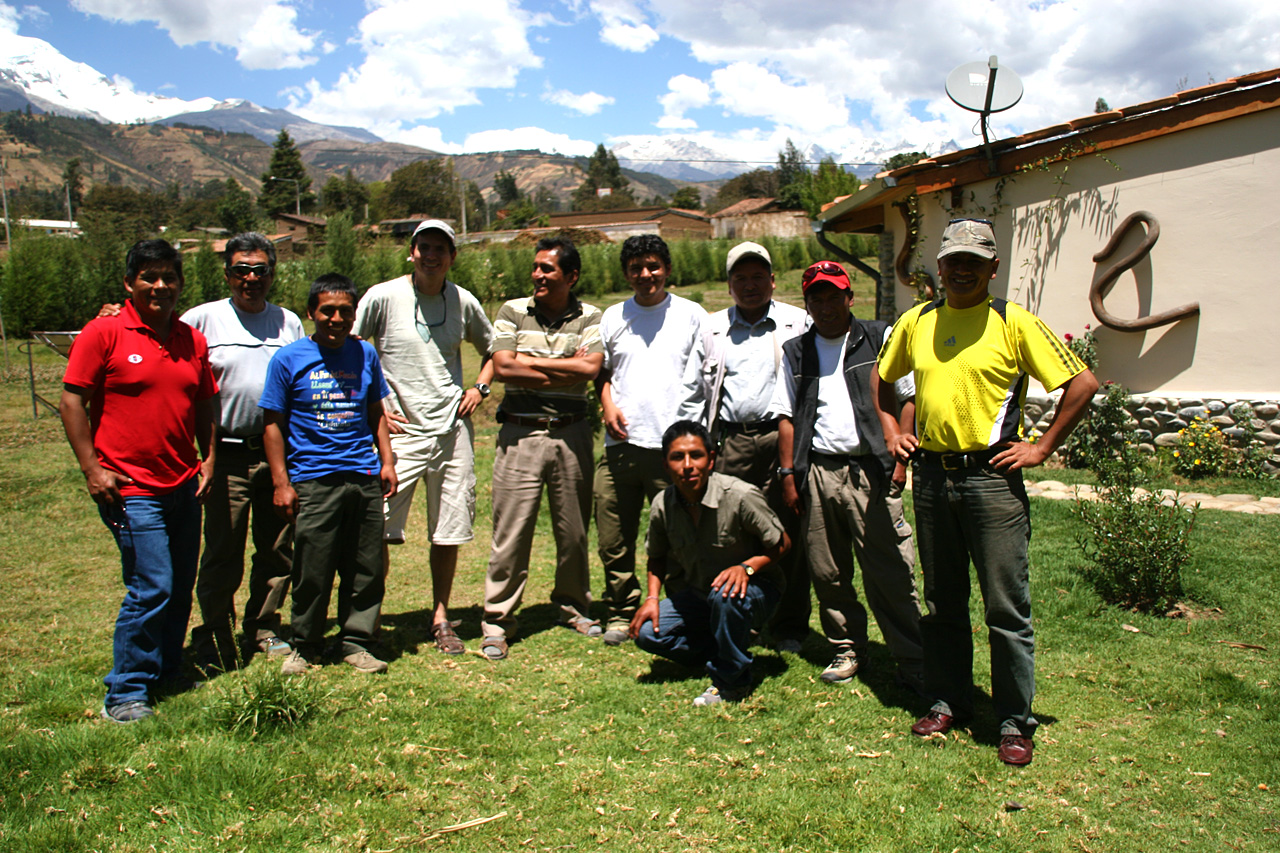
x=1251 y=455
x=254 y=700
x=1202 y=450
x=1084 y=346
x=1136 y=543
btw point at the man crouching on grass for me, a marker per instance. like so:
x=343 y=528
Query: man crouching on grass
x=700 y=524
x=323 y=410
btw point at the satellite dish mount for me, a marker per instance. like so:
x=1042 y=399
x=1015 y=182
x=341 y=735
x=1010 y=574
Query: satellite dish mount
x=984 y=88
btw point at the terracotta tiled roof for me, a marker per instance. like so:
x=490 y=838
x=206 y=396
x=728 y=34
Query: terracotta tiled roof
x=747 y=205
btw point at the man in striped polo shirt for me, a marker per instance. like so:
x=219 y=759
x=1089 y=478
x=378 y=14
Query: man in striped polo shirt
x=972 y=353
x=546 y=349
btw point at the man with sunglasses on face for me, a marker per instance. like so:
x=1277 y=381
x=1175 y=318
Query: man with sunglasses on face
x=839 y=477
x=971 y=354
x=418 y=323
x=243 y=332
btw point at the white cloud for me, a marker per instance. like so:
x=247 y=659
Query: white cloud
x=419 y=64
x=422 y=136
x=527 y=137
x=587 y=104
x=263 y=33
x=890 y=60
x=685 y=93
x=623 y=25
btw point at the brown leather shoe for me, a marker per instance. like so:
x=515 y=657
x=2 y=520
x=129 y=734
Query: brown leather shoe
x=1015 y=750
x=934 y=722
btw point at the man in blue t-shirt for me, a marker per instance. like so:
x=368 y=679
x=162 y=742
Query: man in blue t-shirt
x=322 y=403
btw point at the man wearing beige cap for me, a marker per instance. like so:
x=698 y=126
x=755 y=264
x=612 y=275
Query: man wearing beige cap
x=971 y=354
x=418 y=323
x=738 y=357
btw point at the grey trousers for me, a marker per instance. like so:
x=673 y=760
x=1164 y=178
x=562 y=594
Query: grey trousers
x=527 y=459
x=239 y=502
x=983 y=515
x=852 y=511
x=626 y=476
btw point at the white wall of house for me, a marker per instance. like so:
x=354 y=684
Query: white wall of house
x=1213 y=190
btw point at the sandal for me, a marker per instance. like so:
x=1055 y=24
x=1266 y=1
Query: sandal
x=494 y=648
x=446 y=640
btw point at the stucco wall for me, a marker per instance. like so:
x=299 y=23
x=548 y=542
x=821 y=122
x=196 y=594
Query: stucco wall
x=1213 y=191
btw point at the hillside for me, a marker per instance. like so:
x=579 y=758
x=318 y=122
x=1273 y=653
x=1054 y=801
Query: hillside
x=151 y=156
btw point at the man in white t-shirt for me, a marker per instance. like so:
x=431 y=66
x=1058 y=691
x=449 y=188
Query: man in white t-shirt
x=647 y=341
x=243 y=332
x=418 y=323
x=838 y=475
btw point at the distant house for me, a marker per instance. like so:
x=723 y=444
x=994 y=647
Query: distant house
x=305 y=230
x=282 y=242
x=753 y=218
x=1201 y=167
x=59 y=227
x=670 y=223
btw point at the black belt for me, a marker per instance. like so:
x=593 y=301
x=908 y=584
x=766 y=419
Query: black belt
x=553 y=422
x=757 y=428
x=957 y=461
x=241 y=442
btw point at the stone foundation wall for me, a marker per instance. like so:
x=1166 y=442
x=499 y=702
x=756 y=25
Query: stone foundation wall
x=1156 y=420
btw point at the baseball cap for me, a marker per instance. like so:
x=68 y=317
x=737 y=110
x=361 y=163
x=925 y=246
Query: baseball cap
x=743 y=251
x=825 y=272
x=974 y=236
x=436 y=225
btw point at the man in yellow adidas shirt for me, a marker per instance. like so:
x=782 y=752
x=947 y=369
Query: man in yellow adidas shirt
x=972 y=354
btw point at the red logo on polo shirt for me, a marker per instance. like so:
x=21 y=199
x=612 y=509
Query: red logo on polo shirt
x=135 y=359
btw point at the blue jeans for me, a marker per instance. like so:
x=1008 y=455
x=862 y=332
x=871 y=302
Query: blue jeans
x=711 y=630
x=159 y=541
x=983 y=515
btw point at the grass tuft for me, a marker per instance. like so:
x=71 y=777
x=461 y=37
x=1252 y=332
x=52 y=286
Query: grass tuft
x=259 y=700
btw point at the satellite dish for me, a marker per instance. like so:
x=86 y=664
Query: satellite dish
x=986 y=88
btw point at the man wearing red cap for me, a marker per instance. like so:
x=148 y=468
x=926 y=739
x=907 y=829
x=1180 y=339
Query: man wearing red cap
x=839 y=476
x=971 y=354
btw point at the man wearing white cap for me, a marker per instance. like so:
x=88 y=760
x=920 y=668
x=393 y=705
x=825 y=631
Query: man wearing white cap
x=971 y=354
x=417 y=323
x=738 y=357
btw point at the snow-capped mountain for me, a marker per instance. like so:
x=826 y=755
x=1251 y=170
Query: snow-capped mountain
x=241 y=116
x=33 y=69
x=675 y=157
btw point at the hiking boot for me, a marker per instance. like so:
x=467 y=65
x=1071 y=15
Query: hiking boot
x=365 y=662
x=843 y=668
x=297 y=663
x=127 y=712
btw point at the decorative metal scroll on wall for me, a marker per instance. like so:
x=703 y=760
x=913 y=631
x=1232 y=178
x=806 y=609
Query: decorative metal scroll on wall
x=1103 y=285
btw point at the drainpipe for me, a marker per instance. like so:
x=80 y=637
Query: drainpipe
x=819 y=231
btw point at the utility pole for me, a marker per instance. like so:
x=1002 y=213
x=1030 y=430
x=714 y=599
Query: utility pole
x=8 y=244
x=297 y=192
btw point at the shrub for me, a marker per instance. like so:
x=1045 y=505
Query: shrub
x=1202 y=450
x=1136 y=544
x=1250 y=455
x=1085 y=347
x=1099 y=442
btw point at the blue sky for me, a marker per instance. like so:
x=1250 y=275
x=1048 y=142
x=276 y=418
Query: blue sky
x=739 y=77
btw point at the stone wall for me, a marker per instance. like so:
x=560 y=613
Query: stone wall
x=1156 y=420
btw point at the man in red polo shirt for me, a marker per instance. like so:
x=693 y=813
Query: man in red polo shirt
x=137 y=397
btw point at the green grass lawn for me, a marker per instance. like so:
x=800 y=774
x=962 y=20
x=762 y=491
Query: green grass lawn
x=1157 y=738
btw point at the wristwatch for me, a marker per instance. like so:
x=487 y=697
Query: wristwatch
x=484 y=390
x=751 y=570
x=782 y=472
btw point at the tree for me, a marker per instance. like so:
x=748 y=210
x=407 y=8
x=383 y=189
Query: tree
x=424 y=187
x=504 y=184
x=603 y=173
x=235 y=209
x=73 y=180
x=791 y=166
x=687 y=198
x=1101 y=106
x=758 y=183
x=347 y=193
x=342 y=250
x=122 y=214
x=283 y=194
x=905 y=158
